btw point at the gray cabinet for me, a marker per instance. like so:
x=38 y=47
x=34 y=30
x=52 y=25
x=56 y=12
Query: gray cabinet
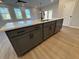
x=47 y=30
x=36 y=36
x=21 y=43
x=58 y=25
x=53 y=27
x=24 y=39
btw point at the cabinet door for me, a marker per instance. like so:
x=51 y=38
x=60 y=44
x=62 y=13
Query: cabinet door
x=58 y=25
x=21 y=44
x=53 y=27
x=25 y=39
x=47 y=30
x=36 y=36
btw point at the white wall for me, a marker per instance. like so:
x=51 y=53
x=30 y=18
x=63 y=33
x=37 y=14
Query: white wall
x=68 y=10
x=53 y=7
x=75 y=17
x=34 y=14
x=62 y=6
x=74 y=20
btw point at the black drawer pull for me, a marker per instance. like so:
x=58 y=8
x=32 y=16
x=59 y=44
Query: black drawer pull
x=21 y=31
x=37 y=27
x=31 y=36
x=50 y=28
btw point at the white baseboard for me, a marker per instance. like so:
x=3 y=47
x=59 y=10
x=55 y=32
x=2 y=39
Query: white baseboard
x=74 y=27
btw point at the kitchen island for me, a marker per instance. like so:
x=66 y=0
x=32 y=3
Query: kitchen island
x=25 y=35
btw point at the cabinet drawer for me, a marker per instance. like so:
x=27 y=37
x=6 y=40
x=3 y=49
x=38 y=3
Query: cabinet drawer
x=53 y=22
x=17 y=32
x=58 y=25
x=21 y=31
x=27 y=40
x=47 y=24
x=36 y=36
x=31 y=28
x=21 y=44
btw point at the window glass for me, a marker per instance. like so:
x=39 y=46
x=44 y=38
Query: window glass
x=27 y=12
x=5 y=13
x=18 y=13
x=48 y=14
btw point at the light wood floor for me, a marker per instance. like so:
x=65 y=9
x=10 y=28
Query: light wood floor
x=64 y=45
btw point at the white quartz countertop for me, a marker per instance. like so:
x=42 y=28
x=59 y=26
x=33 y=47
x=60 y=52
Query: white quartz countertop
x=20 y=24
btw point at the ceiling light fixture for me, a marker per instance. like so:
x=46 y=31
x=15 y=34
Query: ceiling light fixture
x=20 y=1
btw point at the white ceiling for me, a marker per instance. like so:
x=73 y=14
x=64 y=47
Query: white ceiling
x=33 y=2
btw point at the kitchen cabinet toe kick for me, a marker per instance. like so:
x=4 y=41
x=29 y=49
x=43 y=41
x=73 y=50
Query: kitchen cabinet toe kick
x=26 y=38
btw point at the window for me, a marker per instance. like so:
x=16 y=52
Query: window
x=27 y=12
x=18 y=13
x=48 y=14
x=5 y=13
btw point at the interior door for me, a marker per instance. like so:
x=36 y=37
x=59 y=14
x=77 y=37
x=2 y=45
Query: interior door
x=68 y=10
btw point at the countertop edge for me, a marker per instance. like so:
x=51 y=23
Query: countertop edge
x=40 y=22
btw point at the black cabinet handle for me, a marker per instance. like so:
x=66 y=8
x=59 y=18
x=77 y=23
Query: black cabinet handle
x=31 y=36
x=20 y=31
x=50 y=28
